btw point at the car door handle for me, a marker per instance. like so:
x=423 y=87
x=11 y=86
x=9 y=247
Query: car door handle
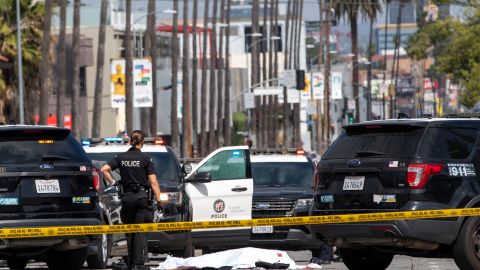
x=239 y=189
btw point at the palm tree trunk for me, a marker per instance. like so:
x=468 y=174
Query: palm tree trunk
x=270 y=113
x=319 y=128
x=227 y=129
x=326 y=91
x=385 y=44
x=75 y=106
x=147 y=49
x=220 y=80
x=203 y=94
x=395 y=59
x=355 y=75
x=275 y=75
x=97 y=105
x=264 y=103
x=369 y=71
x=152 y=33
x=173 y=108
x=213 y=86
x=255 y=71
x=186 y=135
x=45 y=69
x=286 y=65
x=61 y=70
x=128 y=67
x=397 y=47
x=195 y=77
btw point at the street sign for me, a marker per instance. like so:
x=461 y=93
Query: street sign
x=265 y=91
x=337 y=84
x=289 y=78
x=293 y=96
x=248 y=101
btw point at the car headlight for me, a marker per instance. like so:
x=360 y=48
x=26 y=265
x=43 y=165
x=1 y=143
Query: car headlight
x=171 y=197
x=304 y=204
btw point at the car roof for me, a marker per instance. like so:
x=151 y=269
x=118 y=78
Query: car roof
x=278 y=158
x=117 y=148
x=24 y=127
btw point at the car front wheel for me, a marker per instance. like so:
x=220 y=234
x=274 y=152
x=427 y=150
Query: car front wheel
x=365 y=259
x=466 y=251
x=70 y=259
x=100 y=259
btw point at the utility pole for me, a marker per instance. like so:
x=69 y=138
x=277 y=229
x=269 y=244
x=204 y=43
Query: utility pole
x=326 y=93
x=320 y=146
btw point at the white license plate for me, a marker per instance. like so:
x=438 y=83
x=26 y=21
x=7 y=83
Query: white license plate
x=47 y=186
x=262 y=229
x=353 y=182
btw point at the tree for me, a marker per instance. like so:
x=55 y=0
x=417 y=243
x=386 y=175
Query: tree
x=227 y=129
x=61 y=69
x=350 y=11
x=213 y=86
x=220 y=91
x=97 y=104
x=319 y=129
x=152 y=19
x=195 y=75
x=255 y=71
x=75 y=104
x=186 y=135
x=203 y=94
x=128 y=67
x=31 y=36
x=286 y=106
x=45 y=64
x=173 y=108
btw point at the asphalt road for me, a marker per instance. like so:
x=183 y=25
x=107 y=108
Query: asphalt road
x=303 y=257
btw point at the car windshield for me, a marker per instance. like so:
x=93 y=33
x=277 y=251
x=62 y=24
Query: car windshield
x=375 y=141
x=39 y=146
x=165 y=164
x=292 y=174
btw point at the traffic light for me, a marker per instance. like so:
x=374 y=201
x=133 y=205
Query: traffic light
x=350 y=118
x=300 y=79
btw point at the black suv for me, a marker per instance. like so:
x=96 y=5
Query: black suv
x=402 y=165
x=46 y=179
x=170 y=176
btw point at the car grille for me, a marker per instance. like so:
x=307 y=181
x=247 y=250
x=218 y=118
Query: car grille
x=267 y=209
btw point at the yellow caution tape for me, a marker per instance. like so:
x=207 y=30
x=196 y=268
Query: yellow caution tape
x=179 y=226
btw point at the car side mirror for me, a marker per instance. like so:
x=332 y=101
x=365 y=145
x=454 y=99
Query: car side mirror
x=186 y=168
x=201 y=177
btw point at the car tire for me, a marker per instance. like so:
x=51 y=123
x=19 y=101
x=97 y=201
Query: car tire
x=17 y=263
x=466 y=250
x=70 y=259
x=189 y=250
x=104 y=247
x=365 y=259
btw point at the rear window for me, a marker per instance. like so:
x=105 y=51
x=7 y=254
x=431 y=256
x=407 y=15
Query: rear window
x=36 y=146
x=375 y=141
x=448 y=143
x=165 y=164
x=292 y=174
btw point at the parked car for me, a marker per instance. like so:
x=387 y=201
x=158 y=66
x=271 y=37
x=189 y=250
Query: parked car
x=170 y=177
x=283 y=187
x=47 y=180
x=402 y=165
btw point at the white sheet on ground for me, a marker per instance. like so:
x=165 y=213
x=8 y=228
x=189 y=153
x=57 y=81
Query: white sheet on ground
x=236 y=258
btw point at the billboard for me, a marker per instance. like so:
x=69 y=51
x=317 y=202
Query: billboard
x=142 y=83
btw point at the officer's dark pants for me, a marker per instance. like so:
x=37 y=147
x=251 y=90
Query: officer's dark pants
x=135 y=210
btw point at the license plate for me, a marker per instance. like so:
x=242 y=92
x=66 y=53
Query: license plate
x=47 y=186
x=262 y=229
x=353 y=182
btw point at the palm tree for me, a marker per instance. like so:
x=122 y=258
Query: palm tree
x=75 y=104
x=227 y=129
x=97 y=105
x=286 y=106
x=203 y=94
x=195 y=75
x=275 y=75
x=128 y=67
x=319 y=128
x=173 y=108
x=150 y=39
x=186 y=135
x=326 y=83
x=271 y=107
x=213 y=66
x=153 y=55
x=45 y=64
x=61 y=69
x=220 y=78
x=351 y=11
x=371 y=11
x=255 y=67
x=263 y=109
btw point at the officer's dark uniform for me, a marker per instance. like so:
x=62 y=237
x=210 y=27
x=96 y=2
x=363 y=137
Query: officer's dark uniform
x=135 y=167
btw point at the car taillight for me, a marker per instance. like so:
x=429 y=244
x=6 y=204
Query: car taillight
x=418 y=174
x=300 y=151
x=95 y=179
x=159 y=141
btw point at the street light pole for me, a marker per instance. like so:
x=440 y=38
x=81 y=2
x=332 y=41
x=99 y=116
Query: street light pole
x=20 y=66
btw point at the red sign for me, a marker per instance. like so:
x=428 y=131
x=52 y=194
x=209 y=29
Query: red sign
x=52 y=120
x=427 y=84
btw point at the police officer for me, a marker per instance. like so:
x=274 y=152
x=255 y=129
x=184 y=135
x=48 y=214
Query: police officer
x=137 y=173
